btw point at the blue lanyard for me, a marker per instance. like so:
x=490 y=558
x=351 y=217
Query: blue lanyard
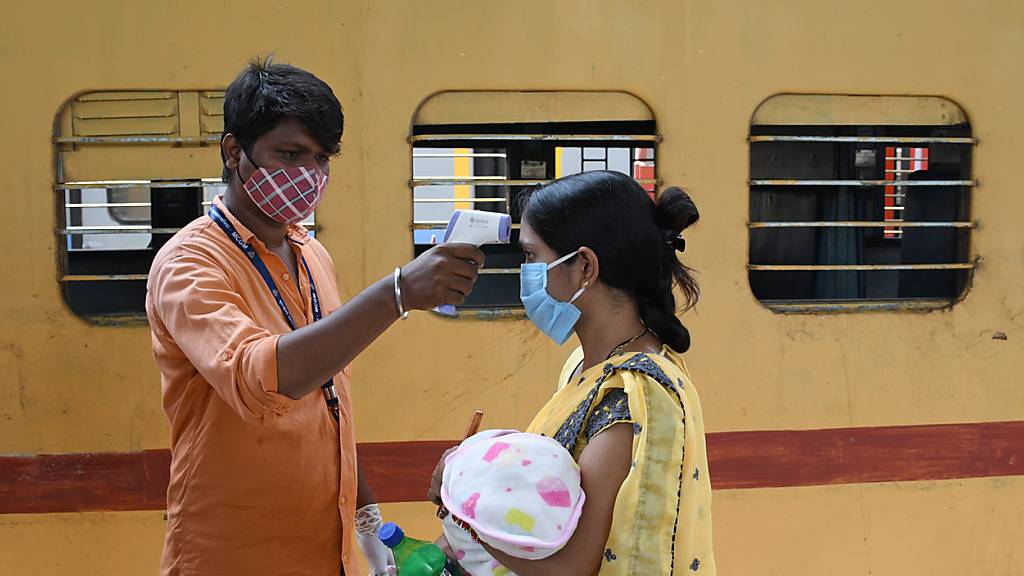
x=217 y=216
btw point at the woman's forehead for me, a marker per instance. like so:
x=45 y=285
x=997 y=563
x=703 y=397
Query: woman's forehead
x=528 y=238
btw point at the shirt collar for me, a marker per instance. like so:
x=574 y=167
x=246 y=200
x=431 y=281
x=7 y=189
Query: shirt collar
x=296 y=232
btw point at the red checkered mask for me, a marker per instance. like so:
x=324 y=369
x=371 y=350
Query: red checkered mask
x=286 y=195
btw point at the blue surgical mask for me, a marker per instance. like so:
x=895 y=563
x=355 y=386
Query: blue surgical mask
x=554 y=318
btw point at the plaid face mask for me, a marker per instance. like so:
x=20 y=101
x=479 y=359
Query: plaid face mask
x=286 y=195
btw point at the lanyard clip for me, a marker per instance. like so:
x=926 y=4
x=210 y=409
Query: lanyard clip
x=331 y=398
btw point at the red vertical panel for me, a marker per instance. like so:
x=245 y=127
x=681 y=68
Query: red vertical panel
x=890 y=174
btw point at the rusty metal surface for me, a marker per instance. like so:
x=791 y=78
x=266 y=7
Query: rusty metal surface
x=545 y=137
x=857 y=306
x=868 y=224
x=861 y=267
x=101 y=277
x=75 y=230
x=496 y=182
x=453 y=200
x=138 y=139
x=865 y=183
x=118 y=184
x=867 y=139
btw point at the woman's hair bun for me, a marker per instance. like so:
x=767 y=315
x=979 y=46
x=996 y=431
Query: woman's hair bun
x=675 y=211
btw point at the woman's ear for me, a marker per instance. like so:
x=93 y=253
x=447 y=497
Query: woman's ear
x=590 y=267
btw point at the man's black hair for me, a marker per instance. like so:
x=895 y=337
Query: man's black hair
x=265 y=93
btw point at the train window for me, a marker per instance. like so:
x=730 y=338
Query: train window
x=132 y=169
x=481 y=150
x=859 y=203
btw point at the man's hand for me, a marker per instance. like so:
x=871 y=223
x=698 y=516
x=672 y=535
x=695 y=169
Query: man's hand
x=378 y=556
x=445 y=274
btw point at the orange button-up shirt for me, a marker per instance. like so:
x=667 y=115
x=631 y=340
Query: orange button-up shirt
x=260 y=483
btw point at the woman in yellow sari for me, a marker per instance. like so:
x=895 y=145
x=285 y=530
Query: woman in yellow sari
x=602 y=261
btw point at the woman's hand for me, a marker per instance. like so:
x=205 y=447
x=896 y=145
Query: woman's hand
x=434 y=494
x=445 y=547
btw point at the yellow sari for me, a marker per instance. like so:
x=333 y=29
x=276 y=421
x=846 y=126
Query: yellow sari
x=662 y=515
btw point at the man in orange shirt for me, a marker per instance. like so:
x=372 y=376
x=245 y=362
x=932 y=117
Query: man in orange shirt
x=253 y=343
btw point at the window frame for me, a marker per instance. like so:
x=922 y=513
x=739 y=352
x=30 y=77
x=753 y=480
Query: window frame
x=559 y=117
x=128 y=142
x=864 y=112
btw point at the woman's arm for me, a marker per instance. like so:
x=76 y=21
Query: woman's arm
x=604 y=465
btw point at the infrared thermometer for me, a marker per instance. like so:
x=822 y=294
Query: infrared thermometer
x=475 y=227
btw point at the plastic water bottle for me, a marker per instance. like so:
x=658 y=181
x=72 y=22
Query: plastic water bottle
x=415 y=557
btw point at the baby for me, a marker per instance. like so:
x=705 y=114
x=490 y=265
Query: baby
x=519 y=493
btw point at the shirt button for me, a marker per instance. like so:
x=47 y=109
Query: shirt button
x=287 y=276
x=343 y=500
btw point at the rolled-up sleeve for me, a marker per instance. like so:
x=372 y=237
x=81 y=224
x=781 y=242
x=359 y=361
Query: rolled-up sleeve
x=214 y=328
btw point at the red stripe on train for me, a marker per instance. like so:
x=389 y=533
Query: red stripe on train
x=400 y=471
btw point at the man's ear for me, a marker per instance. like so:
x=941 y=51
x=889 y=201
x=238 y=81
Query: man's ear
x=230 y=151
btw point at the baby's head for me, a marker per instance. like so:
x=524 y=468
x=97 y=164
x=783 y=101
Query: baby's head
x=519 y=493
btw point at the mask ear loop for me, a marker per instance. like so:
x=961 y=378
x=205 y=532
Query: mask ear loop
x=248 y=157
x=563 y=259
x=578 y=294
